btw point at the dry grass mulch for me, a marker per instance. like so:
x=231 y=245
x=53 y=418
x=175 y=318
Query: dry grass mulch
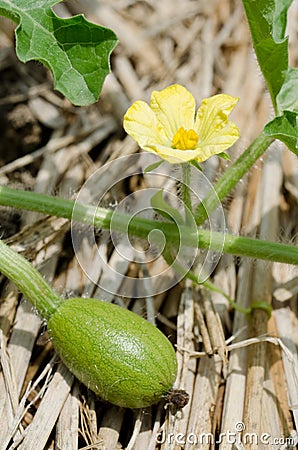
x=47 y=145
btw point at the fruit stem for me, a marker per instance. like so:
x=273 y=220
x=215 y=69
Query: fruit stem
x=185 y=191
x=29 y=281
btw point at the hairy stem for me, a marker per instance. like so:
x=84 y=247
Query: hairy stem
x=231 y=177
x=185 y=191
x=29 y=281
x=141 y=227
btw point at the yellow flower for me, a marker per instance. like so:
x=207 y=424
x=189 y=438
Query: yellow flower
x=170 y=128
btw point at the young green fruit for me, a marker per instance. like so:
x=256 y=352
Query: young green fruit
x=120 y=356
x=117 y=354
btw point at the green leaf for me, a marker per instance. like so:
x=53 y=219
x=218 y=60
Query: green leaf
x=287 y=98
x=74 y=49
x=224 y=155
x=280 y=18
x=284 y=128
x=267 y=21
x=153 y=166
x=196 y=165
x=164 y=209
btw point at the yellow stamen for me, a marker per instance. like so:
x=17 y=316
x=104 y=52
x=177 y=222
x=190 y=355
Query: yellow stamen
x=185 y=139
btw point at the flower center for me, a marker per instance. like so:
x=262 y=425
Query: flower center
x=185 y=139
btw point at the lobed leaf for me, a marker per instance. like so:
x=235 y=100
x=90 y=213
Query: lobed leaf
x=267 y=21
x=75 y=50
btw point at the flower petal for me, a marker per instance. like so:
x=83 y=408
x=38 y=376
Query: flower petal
x=212 y=116
x=173 y=156
x=224 y=139
x=141 y=124
x=174 y=107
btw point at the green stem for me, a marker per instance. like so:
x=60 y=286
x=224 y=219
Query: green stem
x=198 y=282
x=185 y=191
x=211 y=287
x=231 y=177
x=29 y=281
x=140 y=227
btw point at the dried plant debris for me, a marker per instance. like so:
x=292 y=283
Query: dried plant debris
x=235 y=375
